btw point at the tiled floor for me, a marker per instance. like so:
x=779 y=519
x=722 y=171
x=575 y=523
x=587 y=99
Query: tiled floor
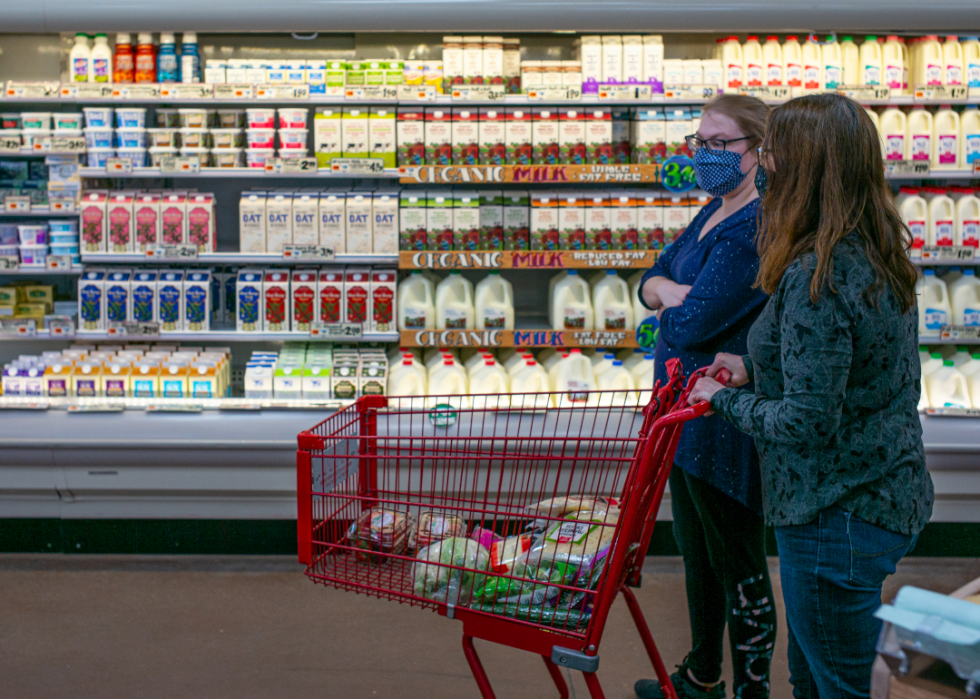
x=215 y=628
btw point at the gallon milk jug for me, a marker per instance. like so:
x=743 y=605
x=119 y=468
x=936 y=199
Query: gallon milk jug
x=971 y=370
x=573 y=380
x=454 y=303
x=932 y=67
x=553 y=366
x=812 y=66
x=833 y=64
x=968 y=221
x=640 y=312
x=416 y=303
x=447 y=379
x=892 y=55
x=631 y=357
x=551 y=296
x=572 y=305
x=602 y=362
x=873 y=115
x=619 y=384
x=433 y=355
x=490 y=385
x=870 y=57
x=793 y=62
x=953 y=61
x=518 y=362
x=914 y=212
x=964 y=299
x=477 y=359
x=731 y=60
x=494 y=303
x=893 y=126
x=942 y=220
x=407 y=379
x=933 y=299
x=928 y=365
x=970 y=136
x=851 y=59
x=772 y=61
x=918 y=145
x=643 y=378
x=945 y=142
x=612 y=305
x=905 y=63
x=531 y=378
x=971 y=61
x=948 y=388
x=753 y=63
x=549 y=357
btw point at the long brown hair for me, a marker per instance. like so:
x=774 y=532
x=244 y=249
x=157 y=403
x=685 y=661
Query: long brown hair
x=822 y=155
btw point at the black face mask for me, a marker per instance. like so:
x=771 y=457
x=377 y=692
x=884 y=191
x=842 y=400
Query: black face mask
x=761 y=181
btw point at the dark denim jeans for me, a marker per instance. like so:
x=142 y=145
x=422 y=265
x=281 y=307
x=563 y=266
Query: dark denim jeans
x=832 y=570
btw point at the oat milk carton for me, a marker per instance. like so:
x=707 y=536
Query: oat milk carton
x=330 y=296
x=359 y=223
x=249 y=301
x=412 y=224
x=121 y=223
x=197 y=301
x=384 y=211
x=170 y=292
x=275 y=292
x=251 y=222
x=278 y=221
x=146 y=211
x=201 y=228
x=302 y=299
x=94 y=226
x=333 y=221
x=383 y=316
x=306 y=218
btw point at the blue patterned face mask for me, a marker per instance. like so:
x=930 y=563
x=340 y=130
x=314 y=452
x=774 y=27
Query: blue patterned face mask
x=718 y=172
x=761 y=181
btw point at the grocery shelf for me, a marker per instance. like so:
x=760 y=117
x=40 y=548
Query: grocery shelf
x=165 y=405
x=228 y=172
x=527 y=259
x=234 y=258
x=232 y=336
x=40 y=271
x=964 y=174
x=38 y=213
x=937 y=340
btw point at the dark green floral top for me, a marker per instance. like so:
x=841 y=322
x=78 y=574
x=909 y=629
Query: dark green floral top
x=834 y=414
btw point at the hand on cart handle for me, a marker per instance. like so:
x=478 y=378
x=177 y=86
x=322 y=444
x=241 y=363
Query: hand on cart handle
x=737 y=375
x=706 y=387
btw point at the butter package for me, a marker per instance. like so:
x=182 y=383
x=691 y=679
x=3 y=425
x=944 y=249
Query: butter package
x=357 y=292
x=170 y=295
x=571 y=221
x=598 y=135
x=649 y=222
x=355 y=132
x=517 y=220
x=518 y=136
x=149 y=226
x=330 y=296
x=571 y=136
x=249 y=301
x=439 y=220
x=197 y=301
x=598 y=222
x=278 y=221
x=438 y=136
x=118 y=295
x=385 y=232
x=491 y=220
x=544 y=221
x=302 y=299
x=359 y=223
x=383 y=300
x=492 y=136
x=143 y=290
x=201 y=228
x=544 y=136
x=333 y=221
x=465 y=136
x=306 y=218
x=275 y=294
x=91 y=301
x=252 y=222
x=121 y=223
x=94 y=227
x=411 y=136
x=466 y=221
x=649 y=136
x=678 y=126
x=412 y=221
x=327 y=135
x=173 y=213
x=675 y=217
x=622 y=207
x=381 y=135
x=39 y=293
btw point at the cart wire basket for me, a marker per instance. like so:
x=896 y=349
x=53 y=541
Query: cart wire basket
x=522 y=516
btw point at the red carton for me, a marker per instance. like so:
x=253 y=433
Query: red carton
x=330 y=296
x=275 y=289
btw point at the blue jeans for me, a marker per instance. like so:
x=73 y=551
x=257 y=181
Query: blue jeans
x=832 y=569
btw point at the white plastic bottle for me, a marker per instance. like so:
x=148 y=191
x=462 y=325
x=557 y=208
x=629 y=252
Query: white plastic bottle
x=948 y=388
x=753 y=62
x=873 y=115
x=548 y=357
x=833 y=64
x=80 y=60
x=906 y=63
x=953 y=61
x=494 y=303
x=772 y=60
x=100 y=61
x=731 y=60
x=408 y=379
x=530 y=378
x=851 y=57
x=915 y=213
x=932 y=66
x=812 y=66
x=573 y=379
x=893 y=125
x=617 y=385
x=447 y=379
x=971 y=370
x=964 y=299
x=572 y=305
x=971 y=61
x=934 y=308
x=793 y=62
x=601 y=362
x=893 y=59
x=454 y=303
x=918 y=145
x=416 y=303
x=968 y=221
x=870 y=57
x=490 y=386
x=611 y=303
x=942 y=220
x=640 y=312
x=517 y=362
x=945 y=142
x=551 y=297
x=969 y=136
x=190 y=59
x=477 y=359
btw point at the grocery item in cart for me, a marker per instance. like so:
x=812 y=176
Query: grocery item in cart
x=435 y=526
x=581 y=538
x=434 y=577
x=380 y=529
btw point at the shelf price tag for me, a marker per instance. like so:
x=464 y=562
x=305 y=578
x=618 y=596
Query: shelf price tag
x=136 y=92
x=94 y=91
x=416 y=93
x=291 y=165
x=118 y=165
x=907 y=167
x=180 y=165
x=59 y=262
x=336 y=331
x=133 y=329
x=60 y=326
x=61 y=144
x=174 y=407
x=477 y=93
x=184 y=251
x=357 y=166
x=690 y=92
x=25 y=90
x=282 y=92
x=10 y=263
x=96 y=408
x=615 y=92
x=959 y=332
x=238 y=91
x=11 y=403
x=18 y=327
x=554 y=94
x=182 y=91
x=948 y=253
x=307 y=252
x=765 y=92
x=371 y=92
x=865 y=93
x=940 y=93
x=17 y=204
x=10 y=144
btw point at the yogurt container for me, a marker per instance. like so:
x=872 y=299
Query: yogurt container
x=256 y=157
x=195 y=138
x=290 y=139
x=193 y=118
x=98 y=137
x=8 y=234
x=98 y=117
x=35 y=136
x=156 y=153
x=163 y=138
x=203 y=154
x=36 y=120
x=293 y=118
x=227 y=138
x=260 y=138
x=67 y=120
x=63 y=238
x=69 y=133
x=131 y=117
x=65 y=249
x=131 y=138
x=292 y=153
x=260 y=118
x=227 y=157
x=33 y=255
x=11 y=120
x=9 y=250
x=231 y=118
x=97 y=157
x=167 y=119
x=63 y=225
x=136 y=155
x=29 y=234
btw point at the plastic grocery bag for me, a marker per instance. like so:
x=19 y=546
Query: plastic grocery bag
x=581 y=538
x=443 y=584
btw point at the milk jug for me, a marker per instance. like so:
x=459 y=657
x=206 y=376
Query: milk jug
x=416 y=303
x=753 y=62
x=477 y=359
x=574 y=381
x=494 y=303
x=970 y=136
x=964 y=299
x=454 y=303
x=531 y=378
x=892 y=54
x=732 y=61
x=517 y=362
x=490 y=385
x=407 y=379
x=931 y=68
x=933 y=299
x=812 y=66
x=893 y=126
x=551 y=296
x=948 y=388
x=914 y=212
x=642 y=369
x=833 y=64
x=945 y=142
x=942 y=220
x=953 y=61
x=918 y=144
x=971 y=370
x=772 y=61
x=619 y=383
x=640 y=312
x=971 y=61
x=870 y=57
x=602 y=362
x=447 y=379
x=572 y=306
x=873 y=115
x=851 y=59
x=612 y=305
x=437 y=359
x=792 y=62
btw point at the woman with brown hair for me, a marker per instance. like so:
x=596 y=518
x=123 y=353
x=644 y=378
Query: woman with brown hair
x=834 y=358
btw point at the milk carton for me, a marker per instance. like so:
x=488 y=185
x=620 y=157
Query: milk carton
x=316 y=76
x=252 y=222
x=335 y=78
x=327 y=135
x=466 y=221
x=93 y=213
x=544 y=136
x=249 y=301
x=598 y=135
x=622 y=208
x=571 y=221
x=316 y=382
x=359 y=223
x=675 y=217
x=590 y=54
x=357 y=292
x=465 y=136
x=412 y=224
x=473 y=60
x=278 y=221
x=621 y=135
x=612 y=59
x=598 y=221
x=373 y=376
x=381 y=135
x=517 y=133
x=544 y=221
x=438 y=136
x=649 y=222
x=384 y=210
x=439 y=220
x=197 y=301
x=491 y=220
x=275 y=294
x=678 y=126
x=633 y=59
x=143 y=291
x=333 y=221
x=517 y=220
x=344 y=378
x=170 y=308
x=492 y=136
x=118 y=296
x=218 y=302
x=649 y=136
x=149 y=226
x=653 y=61
x=354 y=133
x=173 y=213
x=121 y=223
x=383 y=300
x=330 y=296
x=302 y=299
x=306 y=218
x=201 y=228
x=410 y=134
x=91 y=301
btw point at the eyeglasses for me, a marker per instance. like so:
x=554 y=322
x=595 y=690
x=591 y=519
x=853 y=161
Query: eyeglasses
x=764 y=153
x=695 y=143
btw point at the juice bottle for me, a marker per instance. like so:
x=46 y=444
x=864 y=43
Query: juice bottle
x=953 y=61
x=101 y=60
x=772 y=58
x=870 y=56
x=969 y=136
x=833 y=64
x=894 y=64
x=123 y=64
x=146 y=59
x=753 y=62
x=893 y=125
x=932 y=68
x=79 y=59
x=851 y=59
x=168 y=68
x=793 y=62
x=812 y=66
x=946 y=133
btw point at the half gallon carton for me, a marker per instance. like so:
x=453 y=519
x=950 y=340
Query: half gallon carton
x=517 y=220
x=116 y=380
x=491 y=220
x=438 y=136
x=149 y=225
x=649 y=222
x=360 y=229
x=201 y=227
x=197 y=301
x=249 y=301
x=466 y=221
x=492 y=128
x=598 y=135
x=544 y=221
x=384 y=213
x=170 y=308
x=412 y=221
x=275 y=292
x=675 y=217
x=91 y=301
x=143 y=290
x=571 y=221
x=354 y=132
x=466 y=136
x=383 y=300
x=622 y=207
x=678 y=126
x=411 y=136
x=94 y=221
x=439 y=220
x=357 y=294
x=335 y=78
x=121 y=223
x=173 y=213
x=544 y=136
x=381 y=135
x=302 y=299
x=333 y=221
x=306 y=218
x=590 y=54
x=278 y=221
x=621 y=135
x=571 y=136
x=252 y=222
x=598 y=221
x=518 y=136
x=327 y=135
x=118 y=295
x=330 y=296
x=649 y=136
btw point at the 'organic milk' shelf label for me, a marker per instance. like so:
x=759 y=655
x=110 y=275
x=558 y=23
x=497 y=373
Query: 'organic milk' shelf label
x=519 y=338
x=507 y=259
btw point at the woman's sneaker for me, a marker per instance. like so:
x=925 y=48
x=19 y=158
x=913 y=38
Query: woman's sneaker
x=685 y=687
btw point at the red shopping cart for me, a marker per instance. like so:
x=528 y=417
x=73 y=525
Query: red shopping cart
x=522 y=516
